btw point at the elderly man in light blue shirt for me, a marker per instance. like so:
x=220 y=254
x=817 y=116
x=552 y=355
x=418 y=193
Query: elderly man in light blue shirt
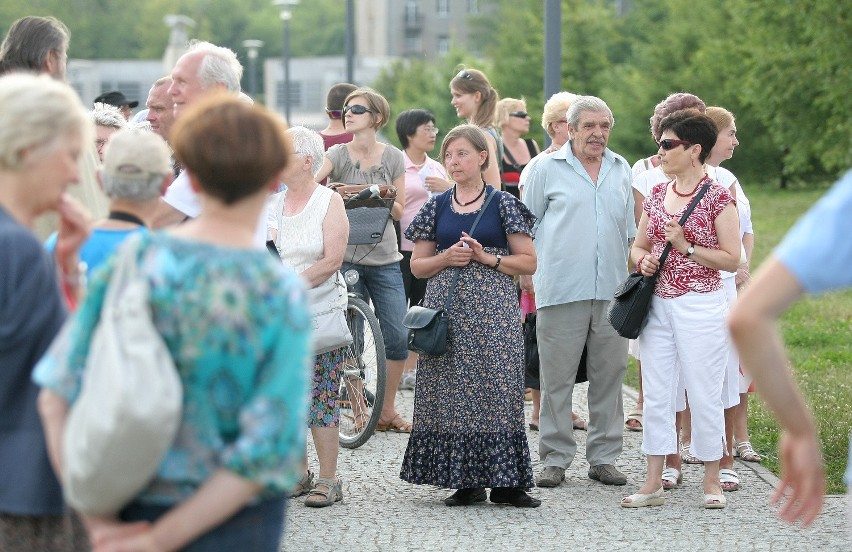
x=582 y=197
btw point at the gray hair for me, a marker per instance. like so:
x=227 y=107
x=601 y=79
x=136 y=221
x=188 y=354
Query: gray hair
x=30 y=40
x=219 y=66
x=307 y=142
x=587 y=103
x=107 y=115
x=37 y=112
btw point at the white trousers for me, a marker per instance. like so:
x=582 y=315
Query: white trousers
x=685 y=338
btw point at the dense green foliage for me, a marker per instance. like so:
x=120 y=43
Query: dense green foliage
x=780 y=65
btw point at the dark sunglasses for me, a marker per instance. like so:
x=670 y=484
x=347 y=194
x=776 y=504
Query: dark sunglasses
x=519 y=114
x=668 y=144
x=334 y=113
x=356 y=109
x=463 y=74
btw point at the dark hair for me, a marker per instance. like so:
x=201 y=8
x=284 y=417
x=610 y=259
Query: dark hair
x=231 y=147
x=29 y=41
x=694 y=127
x=336 y=95
x=673 y=102
x=408 y=121
x=471 y=133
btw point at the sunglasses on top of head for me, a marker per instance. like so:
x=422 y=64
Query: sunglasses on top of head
x=463 y=74
x=519 y=114
x=356 y=109
x=668 y=143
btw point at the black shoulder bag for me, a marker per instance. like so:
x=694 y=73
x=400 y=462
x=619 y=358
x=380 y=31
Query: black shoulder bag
x=427 y=328
x=628 y=309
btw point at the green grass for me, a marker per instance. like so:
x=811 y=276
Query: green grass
x=818 y=334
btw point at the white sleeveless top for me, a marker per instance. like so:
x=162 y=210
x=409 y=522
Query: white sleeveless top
x=300 y=237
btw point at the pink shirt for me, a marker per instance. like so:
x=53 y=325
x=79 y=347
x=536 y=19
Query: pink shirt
x=680 y=274
x=415 y=194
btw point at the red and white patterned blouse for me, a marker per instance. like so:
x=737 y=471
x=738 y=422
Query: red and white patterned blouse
x=680 y=274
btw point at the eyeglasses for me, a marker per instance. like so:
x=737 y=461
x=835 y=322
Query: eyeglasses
x=335 y=113
x=519 y=114
x=668 y=144
x=356 y=109
x=463 y=74
x=430 y=130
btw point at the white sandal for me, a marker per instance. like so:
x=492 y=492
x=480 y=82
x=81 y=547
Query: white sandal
x=672 y=478
x=638 y=500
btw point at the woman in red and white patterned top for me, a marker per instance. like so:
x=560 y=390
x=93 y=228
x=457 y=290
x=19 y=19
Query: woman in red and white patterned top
x=685 y=336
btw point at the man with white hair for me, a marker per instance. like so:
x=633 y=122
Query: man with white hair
x=203 y=68
x=134 y=175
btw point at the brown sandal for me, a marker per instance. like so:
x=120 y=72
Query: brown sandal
x=319 y=498
x=396 y=425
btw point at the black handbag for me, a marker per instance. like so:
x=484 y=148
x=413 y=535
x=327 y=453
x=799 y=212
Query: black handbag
x=629 y=307
x=427 y=328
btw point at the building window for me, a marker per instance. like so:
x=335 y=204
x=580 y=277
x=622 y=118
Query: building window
x=443 y=45
x=413 y=46
x=473 y=7
x=443 y=8
x=411 y=12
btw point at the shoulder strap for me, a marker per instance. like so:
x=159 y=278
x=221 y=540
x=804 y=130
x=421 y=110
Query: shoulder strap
x=685 y=216
x=510 y=157
x=472 y=228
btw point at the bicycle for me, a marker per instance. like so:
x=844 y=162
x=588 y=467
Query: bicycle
x=362 y=384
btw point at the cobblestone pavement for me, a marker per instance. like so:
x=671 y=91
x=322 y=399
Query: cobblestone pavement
x=382 y=512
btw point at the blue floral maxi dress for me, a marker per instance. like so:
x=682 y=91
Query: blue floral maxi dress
x=469 y=408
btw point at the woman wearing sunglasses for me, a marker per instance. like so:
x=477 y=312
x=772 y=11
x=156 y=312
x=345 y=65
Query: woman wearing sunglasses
x=365 y=160
x=685 y=336
x=476 y=102
x=514 y=122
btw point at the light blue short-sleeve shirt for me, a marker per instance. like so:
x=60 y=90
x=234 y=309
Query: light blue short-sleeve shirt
x=817 y=250
x=583 y=229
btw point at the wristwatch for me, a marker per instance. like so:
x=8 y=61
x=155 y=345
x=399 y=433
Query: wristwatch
x=690 y=250
x=497 y=264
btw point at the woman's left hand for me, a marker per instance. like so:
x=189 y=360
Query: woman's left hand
x=674 y=235
x=479 y=254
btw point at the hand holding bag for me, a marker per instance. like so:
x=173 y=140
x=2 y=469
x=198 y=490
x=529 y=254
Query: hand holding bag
x=629 y=307
x=130 y=404
x=428 y=328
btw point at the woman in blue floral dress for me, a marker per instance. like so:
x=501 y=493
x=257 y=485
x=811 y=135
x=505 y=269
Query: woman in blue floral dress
x=469 y=430
x=236 y=323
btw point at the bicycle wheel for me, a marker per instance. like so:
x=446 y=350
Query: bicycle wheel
x=362 y=385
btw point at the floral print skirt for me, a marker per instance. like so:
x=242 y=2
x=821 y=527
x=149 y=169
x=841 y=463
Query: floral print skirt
x=325 y=389
x=469 y=406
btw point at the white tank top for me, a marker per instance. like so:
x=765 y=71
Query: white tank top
x=300 y=237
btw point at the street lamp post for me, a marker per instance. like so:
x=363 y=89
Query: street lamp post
x=253 y=46
x=286 y=15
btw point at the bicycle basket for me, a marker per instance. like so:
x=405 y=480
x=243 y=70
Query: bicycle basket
x=367 y=217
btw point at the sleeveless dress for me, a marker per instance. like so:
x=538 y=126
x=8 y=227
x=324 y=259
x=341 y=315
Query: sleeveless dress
x=300 y=244
x=469 y=407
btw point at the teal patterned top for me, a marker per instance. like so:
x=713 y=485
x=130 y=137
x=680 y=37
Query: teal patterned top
x=237 y=324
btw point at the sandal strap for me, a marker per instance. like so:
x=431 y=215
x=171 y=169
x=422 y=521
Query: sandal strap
x=331 y=485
